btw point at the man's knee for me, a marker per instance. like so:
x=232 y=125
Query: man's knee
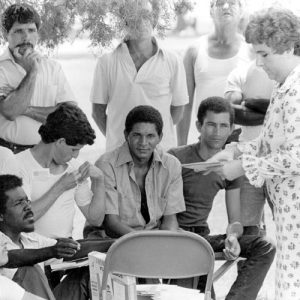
x=256 y=246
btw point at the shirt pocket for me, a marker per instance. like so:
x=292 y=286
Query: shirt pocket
x=157 y=86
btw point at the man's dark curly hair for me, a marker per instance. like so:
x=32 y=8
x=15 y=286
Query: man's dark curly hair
x=7 y=183
x=216 y=105
x=68 y=121
x=22 y=13
x=144 y=114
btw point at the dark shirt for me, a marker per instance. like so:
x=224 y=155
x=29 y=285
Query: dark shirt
x=199 y=190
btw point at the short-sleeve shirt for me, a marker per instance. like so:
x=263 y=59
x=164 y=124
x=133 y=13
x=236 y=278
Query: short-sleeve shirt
x=199 y=190
x=10 y=290
x=160 y=82
x=163 y=186
x=8 y=162
x=252 y=82
x=51 y=88
x=58 y=220
x=30 y=240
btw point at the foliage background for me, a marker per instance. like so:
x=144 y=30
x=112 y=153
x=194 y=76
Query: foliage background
x=104 y=20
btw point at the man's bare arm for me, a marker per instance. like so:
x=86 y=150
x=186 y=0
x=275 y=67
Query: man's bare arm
x=17 y=101
x=177 y=113
x=64 y=248
x=169 y=223
x=114 y=226
x=94 y=211
x=40 y=113
x=184 y=125
x=100 y=117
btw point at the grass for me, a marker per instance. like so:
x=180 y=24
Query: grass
x=78 y=63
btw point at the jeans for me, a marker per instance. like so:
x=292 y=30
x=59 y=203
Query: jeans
x=259 y=254
x=252 y=203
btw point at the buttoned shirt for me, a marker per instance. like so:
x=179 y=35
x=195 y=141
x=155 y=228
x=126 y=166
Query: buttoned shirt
x=30 y=240
x=51 y=88
x=163 y=186
x=160 y=82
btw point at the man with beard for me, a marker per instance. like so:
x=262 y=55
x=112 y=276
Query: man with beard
x=31 y=86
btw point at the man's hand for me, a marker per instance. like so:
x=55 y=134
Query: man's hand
x=88 y=170
x=69 y=180
x=65 y=248
x=29 y=60
x=232 y=248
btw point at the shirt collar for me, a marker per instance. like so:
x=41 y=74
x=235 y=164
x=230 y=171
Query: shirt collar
x=290 y=80
x=125 y=157
x=122 y=46
x=6 y=55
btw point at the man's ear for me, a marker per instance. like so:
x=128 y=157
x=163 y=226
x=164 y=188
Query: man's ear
x=125 y=135
x=198 y=126
x=60 y=141
x=1 y=218
x=160 y=137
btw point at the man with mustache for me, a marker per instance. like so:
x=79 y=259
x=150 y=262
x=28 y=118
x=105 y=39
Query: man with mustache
x=28 y=252
x=31 y=86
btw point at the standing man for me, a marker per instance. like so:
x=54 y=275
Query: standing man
x=245 y=84
x=138 y=72
x=143 y=184
x=31 y=86
x=215 y=123
x=55 y=181
x=208 y=64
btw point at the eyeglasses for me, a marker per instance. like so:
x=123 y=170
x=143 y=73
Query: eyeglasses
x=220 y=3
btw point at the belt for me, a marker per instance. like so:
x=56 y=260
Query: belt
x=15 y=148
x=201 y=230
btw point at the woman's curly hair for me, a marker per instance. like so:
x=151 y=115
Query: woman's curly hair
x=277 y=28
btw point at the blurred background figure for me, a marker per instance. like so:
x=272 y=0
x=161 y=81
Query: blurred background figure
x=209 y=62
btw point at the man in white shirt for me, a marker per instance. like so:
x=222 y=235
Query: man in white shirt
x=8 y=162
x=31 y=86
x=138 y=72
x=55 y=181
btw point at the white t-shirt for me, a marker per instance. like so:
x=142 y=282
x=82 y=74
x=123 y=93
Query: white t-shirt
x=211 y=75
x=10 y=290
x=30 y=240
x=58 y=220
x=8 y=162
x=252 y=82
x=160 y=82
x=51 y=88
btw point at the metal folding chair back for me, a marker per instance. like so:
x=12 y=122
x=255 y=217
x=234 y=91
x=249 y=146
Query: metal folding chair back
x=161 y=254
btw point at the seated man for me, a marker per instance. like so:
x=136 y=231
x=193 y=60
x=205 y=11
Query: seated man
x=55 y=181
x=215 y=119
x=26 y=248
x=10 y=290
x=143 y=184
